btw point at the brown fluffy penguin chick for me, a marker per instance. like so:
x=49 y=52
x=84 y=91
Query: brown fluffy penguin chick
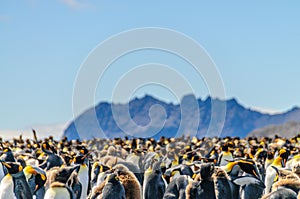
x=286 y=174
x=51 y=174
x=131 y=184
x=287 y=188
x=296 y=169
x=110 y=161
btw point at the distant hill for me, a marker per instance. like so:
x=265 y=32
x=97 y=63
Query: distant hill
x=288 y=130
x=239 y=120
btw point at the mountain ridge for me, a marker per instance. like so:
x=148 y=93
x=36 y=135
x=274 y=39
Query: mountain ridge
x=239 y=121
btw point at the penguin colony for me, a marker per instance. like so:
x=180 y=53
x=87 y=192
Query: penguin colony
x=168 y=168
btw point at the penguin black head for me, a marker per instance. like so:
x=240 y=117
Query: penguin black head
x=248 y=167
x=82 y=150
x=225 y=148
x=270 y=155
x=67 y=158
x=284 y=154
x=46 y=146
x=113 y=178
x=262 y=154
x=40 y=176
x=64 y=173
x=6 y=150
x=12 y=167
x=206 y=170
x=80 y=159
x=40 y=180
x=22 y=162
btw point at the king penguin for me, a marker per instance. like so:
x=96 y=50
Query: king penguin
x=113 y=188
x=58 y=180
x=83 y=174
x=154 y=185
x=14 y=184
x=7 y=155
x=225 y=156
x=52 y=160
x=177 y=187
x=36 y=179
x=279 y=162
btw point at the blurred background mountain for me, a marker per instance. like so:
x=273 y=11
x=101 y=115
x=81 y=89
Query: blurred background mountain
x=100 y=122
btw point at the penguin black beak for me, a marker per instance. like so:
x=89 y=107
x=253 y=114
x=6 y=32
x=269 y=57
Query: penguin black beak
x=255 y=174
x=6 y=165
x=283 y=162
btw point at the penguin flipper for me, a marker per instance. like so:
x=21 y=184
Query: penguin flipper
x=219 y=160
x=77 y=189
x=246 y=180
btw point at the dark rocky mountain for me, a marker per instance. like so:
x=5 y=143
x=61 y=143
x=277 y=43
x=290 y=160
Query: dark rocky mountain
x=150 y=117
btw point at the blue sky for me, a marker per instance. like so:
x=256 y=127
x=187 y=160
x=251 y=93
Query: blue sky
x=255 y=46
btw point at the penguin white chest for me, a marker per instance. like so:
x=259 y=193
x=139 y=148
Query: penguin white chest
x=83 y=176
x=7 y=188
x=101 y=178
x=57 y=193
x=269 y=179
x=1 y=172
x=225 y=158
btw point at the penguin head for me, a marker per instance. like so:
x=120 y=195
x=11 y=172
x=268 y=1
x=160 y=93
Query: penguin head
x=13 y=167
x=46 y=146
x=40 y=177
x=40 y=180
x=113 y=178
x=101 y=167
x=82 y=150
x=6 y=150
x=206 y=170
x=80 y=159
x=67 y=158
x=248 y=167
x=284 y=154
x=261 y=153
x=64 y=173
x=225 y=148
x=230 y=146
x=22 y=162
x=156 y=166
x=270 y=155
